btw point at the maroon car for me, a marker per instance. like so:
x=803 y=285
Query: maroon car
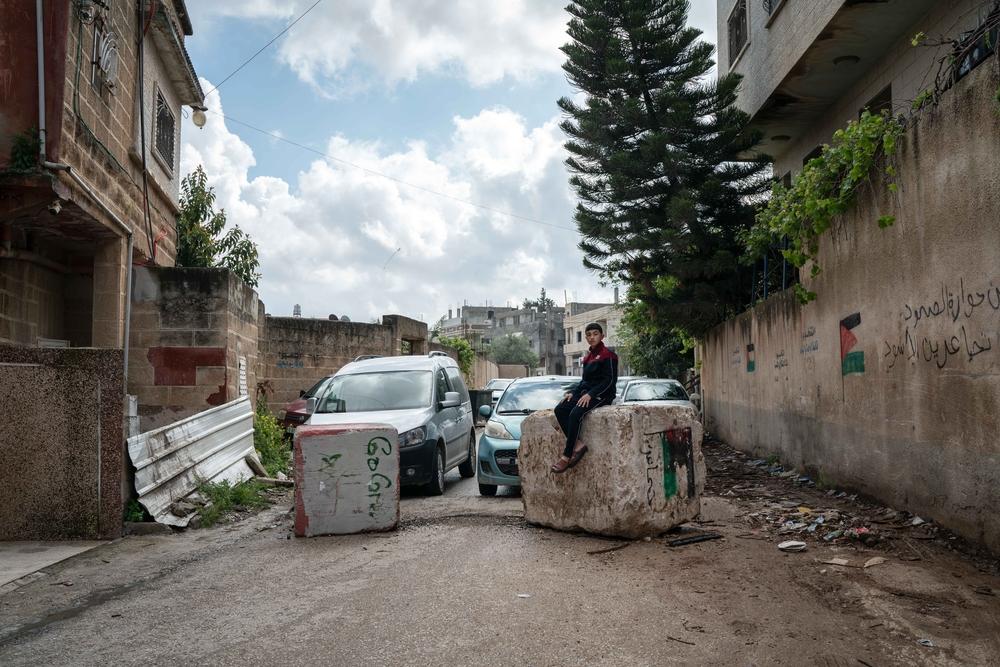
x=294 y=412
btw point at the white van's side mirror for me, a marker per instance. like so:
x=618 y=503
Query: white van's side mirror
x=311 y=405
x=451 y=399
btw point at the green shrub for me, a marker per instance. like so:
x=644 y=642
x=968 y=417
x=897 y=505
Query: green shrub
x=269 y=441
x=223 y=496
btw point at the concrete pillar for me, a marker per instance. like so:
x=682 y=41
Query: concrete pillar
x=346 y=479
x=109 y=294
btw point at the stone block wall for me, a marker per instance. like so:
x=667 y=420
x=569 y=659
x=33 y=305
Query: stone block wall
x=190 y=328
x=889 y=382
x=295 y=352
x=61 y=443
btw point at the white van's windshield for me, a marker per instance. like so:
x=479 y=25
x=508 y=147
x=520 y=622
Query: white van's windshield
x=371 y=392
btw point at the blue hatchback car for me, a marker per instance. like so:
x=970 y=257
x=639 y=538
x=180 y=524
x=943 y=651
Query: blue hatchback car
x=498 y=445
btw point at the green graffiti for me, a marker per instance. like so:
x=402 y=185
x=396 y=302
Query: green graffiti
x=669 y=475
x=329 y=461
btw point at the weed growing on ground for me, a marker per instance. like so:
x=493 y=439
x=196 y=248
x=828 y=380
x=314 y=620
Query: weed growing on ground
x=135 y=512
x=223 y=496
x=773 y=460
x=269 y=441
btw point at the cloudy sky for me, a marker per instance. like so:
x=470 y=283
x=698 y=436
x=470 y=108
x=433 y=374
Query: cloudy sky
x=425 y=167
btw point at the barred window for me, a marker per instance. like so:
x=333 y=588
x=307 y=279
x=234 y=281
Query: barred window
x=164 y=130
x=738 y=30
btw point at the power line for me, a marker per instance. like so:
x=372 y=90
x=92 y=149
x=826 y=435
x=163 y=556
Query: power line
x=373 y=172
x=261 y=49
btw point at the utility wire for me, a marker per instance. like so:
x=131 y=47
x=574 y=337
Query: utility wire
x=261 y=49
x=393 y=178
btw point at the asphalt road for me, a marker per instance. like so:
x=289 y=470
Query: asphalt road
x=465 y=581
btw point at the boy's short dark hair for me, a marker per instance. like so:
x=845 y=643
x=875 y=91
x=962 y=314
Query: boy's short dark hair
x=593 y=326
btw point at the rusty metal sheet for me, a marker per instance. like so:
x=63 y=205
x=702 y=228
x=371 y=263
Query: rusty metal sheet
x=173 y=460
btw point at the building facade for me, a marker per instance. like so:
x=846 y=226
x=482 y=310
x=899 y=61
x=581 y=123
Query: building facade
x=810 y=67
x=89 y=176
x=542 y=329
x=473 y=323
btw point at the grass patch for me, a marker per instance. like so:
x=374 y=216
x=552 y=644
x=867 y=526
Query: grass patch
x=135 y=512
x=269 y=441
x=223 y=497
x=773 y=460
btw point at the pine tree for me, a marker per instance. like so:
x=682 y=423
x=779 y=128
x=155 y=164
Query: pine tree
x=655 y=152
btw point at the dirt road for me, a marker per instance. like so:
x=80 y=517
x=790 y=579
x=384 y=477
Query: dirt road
x=466 y=581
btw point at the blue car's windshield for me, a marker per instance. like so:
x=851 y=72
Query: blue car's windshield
x=655 y=391
x=524 y=398
x=369 y=392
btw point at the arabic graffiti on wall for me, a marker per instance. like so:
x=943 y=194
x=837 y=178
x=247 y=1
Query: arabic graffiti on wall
x=965 y=324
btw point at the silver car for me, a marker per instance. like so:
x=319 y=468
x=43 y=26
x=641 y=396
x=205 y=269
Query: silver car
x=424 y=398
x=653 y=391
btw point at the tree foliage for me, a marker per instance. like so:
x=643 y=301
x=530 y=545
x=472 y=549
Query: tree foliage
x=199 y=227
x=655 y=155
x=653 y=350
x=542 y=304
x=827 y=187
x=512 y=349
x=466 y=355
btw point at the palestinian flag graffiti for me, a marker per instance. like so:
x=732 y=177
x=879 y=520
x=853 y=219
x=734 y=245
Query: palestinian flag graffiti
x=751 y=359
x=850 y=362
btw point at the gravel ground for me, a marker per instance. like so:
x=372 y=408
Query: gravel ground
x=465 y=581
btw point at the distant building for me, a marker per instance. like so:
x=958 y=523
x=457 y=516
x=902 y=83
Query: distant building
x=578 y=316
x=297 y=311
x=542 y=329
x=473 y=323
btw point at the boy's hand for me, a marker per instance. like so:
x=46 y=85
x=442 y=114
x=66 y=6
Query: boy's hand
x=568 y=396
x=584 y=401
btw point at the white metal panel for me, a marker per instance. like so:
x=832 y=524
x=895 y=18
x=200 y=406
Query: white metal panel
x=173 y=460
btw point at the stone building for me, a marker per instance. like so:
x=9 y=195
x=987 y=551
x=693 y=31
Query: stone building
x=89 y=181
x=542 y=329
x=473 y=323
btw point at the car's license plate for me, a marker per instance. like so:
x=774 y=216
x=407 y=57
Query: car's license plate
x=505 y=461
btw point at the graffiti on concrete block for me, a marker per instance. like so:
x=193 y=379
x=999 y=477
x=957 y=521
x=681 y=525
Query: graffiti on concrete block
x=780 y=360
x=809 y=346
x=851 y=360
x=966 y=327
x=674 y=452
x=751 y=359
x=377 y=448
x=290 y=363
x=735 y=358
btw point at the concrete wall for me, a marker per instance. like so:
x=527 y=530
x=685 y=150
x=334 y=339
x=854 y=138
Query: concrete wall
x=60 y=443
x=889 y=383
x=295 y=352
x=190 y=328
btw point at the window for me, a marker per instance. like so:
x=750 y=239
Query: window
x=164 y=129
x=579 y=336
x=517 y=320
x=881 y=102
x=738 y=31
x=457 y=384
x=442 y=384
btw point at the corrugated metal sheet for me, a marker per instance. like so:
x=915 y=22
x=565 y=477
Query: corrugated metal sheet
x=171 y=461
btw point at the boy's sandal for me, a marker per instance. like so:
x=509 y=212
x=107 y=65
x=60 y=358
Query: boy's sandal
x=577 y=455
x=562 y=465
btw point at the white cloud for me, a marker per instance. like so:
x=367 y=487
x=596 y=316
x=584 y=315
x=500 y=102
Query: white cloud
x=399 y=40
x=329 y=240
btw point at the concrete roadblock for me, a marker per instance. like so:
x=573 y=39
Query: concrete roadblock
x=346 y=479
x=643 y=474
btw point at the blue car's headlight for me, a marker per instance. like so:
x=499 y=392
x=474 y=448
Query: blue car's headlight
x=495 y=429
x=411 y=438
